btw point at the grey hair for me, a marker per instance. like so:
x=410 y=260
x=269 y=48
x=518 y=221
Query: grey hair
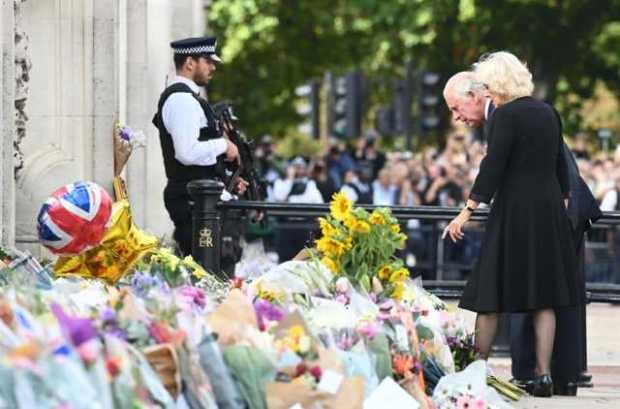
x=463 y=83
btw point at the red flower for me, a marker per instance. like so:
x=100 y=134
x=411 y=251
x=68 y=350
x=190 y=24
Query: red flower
x=300 y=369
x=403 y=364
x=316 y=372
x=113 y=365
x=237 y=282
x=163 y=334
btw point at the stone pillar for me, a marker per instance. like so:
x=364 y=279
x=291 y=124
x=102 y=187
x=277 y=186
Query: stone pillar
x=7 y=124
x=109 y=82
x=140 y=106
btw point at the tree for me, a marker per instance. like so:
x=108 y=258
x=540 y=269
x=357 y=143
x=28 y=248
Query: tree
x=271 y=46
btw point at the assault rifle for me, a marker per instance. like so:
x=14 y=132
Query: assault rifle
x=245 y=167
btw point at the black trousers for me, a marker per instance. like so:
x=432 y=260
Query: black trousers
x=179 y=206
x=569 y=349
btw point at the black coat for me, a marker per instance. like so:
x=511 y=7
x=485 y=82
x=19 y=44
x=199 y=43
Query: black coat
x=528 y=259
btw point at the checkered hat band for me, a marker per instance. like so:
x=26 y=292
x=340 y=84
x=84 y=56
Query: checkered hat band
x=195 y=50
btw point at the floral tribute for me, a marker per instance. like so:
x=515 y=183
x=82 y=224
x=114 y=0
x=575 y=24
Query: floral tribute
x=361 y=246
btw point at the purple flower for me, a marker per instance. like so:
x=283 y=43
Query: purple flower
x=108 y=316
x=267 y=311
x=126 y=133
x=77 y=330
x=110 y=324
x=141 y=283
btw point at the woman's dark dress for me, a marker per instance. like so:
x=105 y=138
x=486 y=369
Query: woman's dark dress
x=528 y=259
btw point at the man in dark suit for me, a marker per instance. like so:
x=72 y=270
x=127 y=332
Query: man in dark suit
x=466 y=100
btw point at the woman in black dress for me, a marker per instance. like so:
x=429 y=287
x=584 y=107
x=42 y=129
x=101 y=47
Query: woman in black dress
x=527 y=262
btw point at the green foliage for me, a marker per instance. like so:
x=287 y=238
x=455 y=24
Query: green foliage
x=298 y=144
x=271 y=46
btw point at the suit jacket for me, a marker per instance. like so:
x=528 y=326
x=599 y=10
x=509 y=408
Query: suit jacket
x=583 y=209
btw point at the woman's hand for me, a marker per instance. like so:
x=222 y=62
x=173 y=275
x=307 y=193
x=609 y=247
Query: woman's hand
x=455 y=228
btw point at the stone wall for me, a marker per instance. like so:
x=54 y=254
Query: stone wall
x=7 y=129
x=79 y=67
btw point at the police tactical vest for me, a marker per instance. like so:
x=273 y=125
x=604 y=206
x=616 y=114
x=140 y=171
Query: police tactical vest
x=175 y=170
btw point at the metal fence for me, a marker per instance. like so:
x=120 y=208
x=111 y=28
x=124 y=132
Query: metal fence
x=442 y=264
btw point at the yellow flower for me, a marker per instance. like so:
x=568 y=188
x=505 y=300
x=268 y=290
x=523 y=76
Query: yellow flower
x=385 y=272
x=197 y=271
x=395 y=228
x=330 y=264
x=326 y=228
x=348 y=243
x=330 y=247
x=398 y=291
x=399 y=275
x=349 y=221
x=377 y=218
x=361 y=227
x=340 y=206
x=296 y=332
x=269 y=295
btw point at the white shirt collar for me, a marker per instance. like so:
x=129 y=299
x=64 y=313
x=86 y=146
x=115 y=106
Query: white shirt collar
x=487 y=104
x=194 y=87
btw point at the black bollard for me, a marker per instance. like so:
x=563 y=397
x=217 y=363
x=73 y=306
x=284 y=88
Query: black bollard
x=206 y=229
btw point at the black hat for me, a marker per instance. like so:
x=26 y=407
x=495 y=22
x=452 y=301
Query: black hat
x=204 y=46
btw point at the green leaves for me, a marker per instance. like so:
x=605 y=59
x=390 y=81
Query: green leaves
x=271 y=46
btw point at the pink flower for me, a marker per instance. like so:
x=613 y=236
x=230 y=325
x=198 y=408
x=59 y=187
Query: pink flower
x=369 y=330
x=190 y=297
x=464 y=402
x=341 y=298
x=479 y=403
x=89 y=351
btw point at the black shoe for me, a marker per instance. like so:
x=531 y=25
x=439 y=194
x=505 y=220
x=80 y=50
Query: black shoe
x=565 y=389
x=541 y=387
x=584 y=377
x=585 y=380
x=521 y=383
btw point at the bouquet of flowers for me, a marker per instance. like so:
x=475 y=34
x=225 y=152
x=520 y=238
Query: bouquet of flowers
x=361 y=246
x=464 y=351
x=467 y=389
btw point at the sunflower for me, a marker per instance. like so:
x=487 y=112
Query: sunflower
x=330 y=264
x=398 y=291
x=385 y=272
x=330 y=246
x=326 y=227
x=340 y=206
x=399 y=275
x=377 y=218
x=361 y=226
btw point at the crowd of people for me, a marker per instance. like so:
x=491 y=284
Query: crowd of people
x=431 y=177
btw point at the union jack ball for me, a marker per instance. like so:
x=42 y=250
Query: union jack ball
x=74 y=218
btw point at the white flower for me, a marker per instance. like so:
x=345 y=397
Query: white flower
x=342 y=285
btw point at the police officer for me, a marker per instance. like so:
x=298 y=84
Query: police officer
x=190 y=135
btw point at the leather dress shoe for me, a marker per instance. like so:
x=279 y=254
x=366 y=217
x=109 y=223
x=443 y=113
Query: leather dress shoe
x=584 y=380
x=565 y=389
x=541 y=387
x=521 y=383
